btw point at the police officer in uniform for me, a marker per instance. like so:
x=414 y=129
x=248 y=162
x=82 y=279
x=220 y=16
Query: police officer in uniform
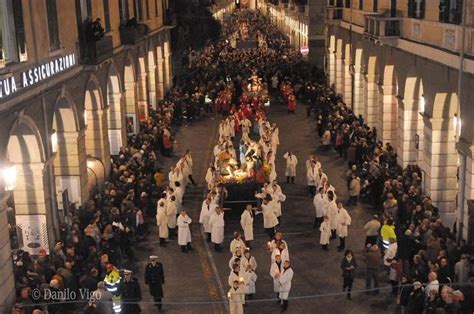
x=131 y=293
x=155 y=279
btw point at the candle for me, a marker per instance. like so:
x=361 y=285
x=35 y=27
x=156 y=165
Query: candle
x=268 y=245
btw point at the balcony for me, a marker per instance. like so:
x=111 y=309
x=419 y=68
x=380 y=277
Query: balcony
x=132 y=34
x=382 y=28
x=333 y=14
x=95 y=52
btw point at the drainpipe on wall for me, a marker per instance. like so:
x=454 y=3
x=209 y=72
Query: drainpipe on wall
x=52 y=191
x=458 y=112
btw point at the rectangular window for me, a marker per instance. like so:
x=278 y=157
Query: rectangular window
x=53 y=29
x=156 y=8
x=361 y=4
x=147 y=6
x=348 y=3
x=416 y=9
x=450 y=11
x=138 y=9
x=106 y=15
x=375 y=5
x=19 y=29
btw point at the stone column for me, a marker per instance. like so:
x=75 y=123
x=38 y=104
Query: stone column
x=440 y=162
x=7 y=280
x=168 y=75
x=358 y=102
x=97 y=144
x=332 y=68
x=160 y=85
x=142 y=93
x=388 y=115
x=130 y=97
x=71 y=161
x=371 y=100
x=151 y=86
x=408 y=127
x=30 y=190
x=339 y=74
x=347 y=83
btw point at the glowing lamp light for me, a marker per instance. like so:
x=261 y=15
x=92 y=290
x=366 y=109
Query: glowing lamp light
x=457 y=124
x=9 y=177
x=422 y=104
x=54 y=141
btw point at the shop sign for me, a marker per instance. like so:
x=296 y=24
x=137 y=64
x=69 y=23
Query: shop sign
x=35 y=75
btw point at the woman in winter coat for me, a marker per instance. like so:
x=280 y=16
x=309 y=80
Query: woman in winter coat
x=348 y=267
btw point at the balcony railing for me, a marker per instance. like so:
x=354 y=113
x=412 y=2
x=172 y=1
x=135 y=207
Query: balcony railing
x=95 y=52
x=133 y=34
x=381 y=27
x=333 y=14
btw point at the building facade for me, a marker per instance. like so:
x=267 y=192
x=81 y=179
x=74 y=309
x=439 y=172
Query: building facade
x=302 y=21
x=68 y=93
x=408 y=68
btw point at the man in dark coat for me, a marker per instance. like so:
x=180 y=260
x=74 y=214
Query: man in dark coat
x=131 y=293
x=155 y=278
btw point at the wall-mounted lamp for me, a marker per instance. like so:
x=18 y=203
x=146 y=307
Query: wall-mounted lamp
x=54 y=141
x=9 y=175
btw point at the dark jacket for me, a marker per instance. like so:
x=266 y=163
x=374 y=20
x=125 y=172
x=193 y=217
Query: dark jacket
x=416 y=302
x=345 y=264
x=155 y=278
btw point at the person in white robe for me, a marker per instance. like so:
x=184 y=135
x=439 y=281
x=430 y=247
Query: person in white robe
x=210 y=177
x=246 y=125
x=331 y=212
x=189 y=164
x=323 y=178
x=207 y=209
x=275 y=272
x=246 y=222
x=216 y=221
x=277 y=198
x=285 y=284
x=319 y=203
x=172 y=177
x=343 y=220
x=236 y=259
x=270 y=220
x=247 y=260
x=236 y=274
x=162 y=223
x=184 y=233
x=312 y=177
x=171 y=212
x=250 y=278
x=291 y=162
x=325 y=230
x=237 y=243
x=236 y=296
x=282 y=251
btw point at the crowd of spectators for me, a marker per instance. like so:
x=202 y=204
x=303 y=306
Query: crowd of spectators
x=421 y=252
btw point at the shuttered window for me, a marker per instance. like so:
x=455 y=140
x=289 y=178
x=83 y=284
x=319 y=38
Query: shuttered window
x=53 y=29
x=156 y=7
x=361 y=4
x=106 y=15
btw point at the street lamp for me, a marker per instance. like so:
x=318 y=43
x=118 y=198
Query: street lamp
x=9 y=175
